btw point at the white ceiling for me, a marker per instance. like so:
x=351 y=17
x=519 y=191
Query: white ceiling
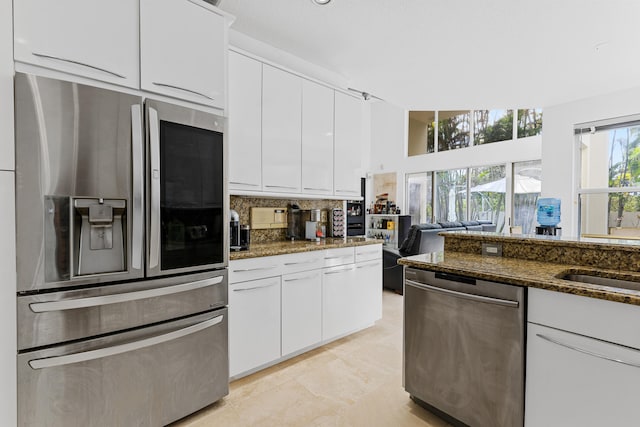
x=457 y=54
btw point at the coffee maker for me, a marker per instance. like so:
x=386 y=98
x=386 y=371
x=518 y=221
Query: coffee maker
x=234 y=230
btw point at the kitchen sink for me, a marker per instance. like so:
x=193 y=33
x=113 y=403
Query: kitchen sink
x=594 y=278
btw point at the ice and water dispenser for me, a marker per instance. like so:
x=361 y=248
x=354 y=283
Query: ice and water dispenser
x=99 y=227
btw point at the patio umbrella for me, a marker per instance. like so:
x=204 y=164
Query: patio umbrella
x=522 y=184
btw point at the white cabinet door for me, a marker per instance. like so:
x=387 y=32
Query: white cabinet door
x=89 y=38
x=348 y=145
x=281 y=130
x=254 y=324
x=573 y=381
x=301 y=310
x=369 y=291
x=317 y=139
x=245 y=121
x=183 y=50
x=338 y=298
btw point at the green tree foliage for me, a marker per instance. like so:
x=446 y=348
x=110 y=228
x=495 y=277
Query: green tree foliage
x=486 y=132
x=624 y=170
x=529 y=122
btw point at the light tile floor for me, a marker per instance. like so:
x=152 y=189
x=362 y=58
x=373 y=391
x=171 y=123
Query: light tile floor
x=355 y=381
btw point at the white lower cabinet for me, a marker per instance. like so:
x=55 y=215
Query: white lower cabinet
x=368 y=284
x=339 y=298
x=254 y=324
x=281 y=305
x=573 y=380
x=583 y=361
x=301 y=310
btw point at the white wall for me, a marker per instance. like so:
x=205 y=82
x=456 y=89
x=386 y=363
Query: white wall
x=8 y=400
x=559 y=150
x=389 y=136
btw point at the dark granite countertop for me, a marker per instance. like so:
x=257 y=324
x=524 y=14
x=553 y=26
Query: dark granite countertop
x=289 y=247
x=525 y=272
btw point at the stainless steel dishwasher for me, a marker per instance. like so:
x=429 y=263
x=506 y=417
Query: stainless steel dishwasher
x=464 y=348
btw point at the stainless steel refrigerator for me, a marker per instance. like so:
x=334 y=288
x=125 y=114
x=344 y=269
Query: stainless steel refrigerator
x=121 y=216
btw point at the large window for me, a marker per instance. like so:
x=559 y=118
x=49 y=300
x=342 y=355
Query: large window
x=420 y=197
x=478 y=193
x=527 y=184
x=434 y=131
x=487 y=194
x=492 y=126
x=609 y=190
x=451 y=195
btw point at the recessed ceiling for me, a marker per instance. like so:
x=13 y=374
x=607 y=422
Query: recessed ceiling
x=439 y=54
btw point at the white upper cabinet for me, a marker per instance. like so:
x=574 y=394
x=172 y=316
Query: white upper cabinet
x=348 y=145
x=183 y=48
x=89 y=38
x=281 y=130
x=245 y=121
x=317 y=139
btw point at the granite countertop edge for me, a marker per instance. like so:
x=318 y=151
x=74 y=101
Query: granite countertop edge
x=289 y=247
x=534 y=274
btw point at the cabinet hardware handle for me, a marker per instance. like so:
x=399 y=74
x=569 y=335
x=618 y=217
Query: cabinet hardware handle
x=472 y=297
x=347 y=191
x=71 y=61
x=366 y=253
x=338 y=271
x=255 y=269
x=316 y=189
x=256 y=287
x=337 y=257
x=137 y=157
x=281 y=186
x=71 y=304
x=49 y=362
x=313 y=276
x=183 y=89
x=369 y=265
x=302 y=262
x=587 y=352
x=243 y=183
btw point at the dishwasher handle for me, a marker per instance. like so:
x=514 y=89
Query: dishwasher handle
x=472 y=297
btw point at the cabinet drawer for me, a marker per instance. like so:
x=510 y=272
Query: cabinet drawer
x=339 y=256
x=294 y=263
x=254 y=268
x=368 y=253
x=606 y=320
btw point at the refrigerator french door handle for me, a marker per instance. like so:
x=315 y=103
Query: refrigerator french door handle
x=138 y=186
x=84 y=356
x=71 y=304
x=154 y=163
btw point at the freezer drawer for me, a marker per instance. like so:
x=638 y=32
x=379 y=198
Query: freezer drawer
x=146 y=377
x=52 y=318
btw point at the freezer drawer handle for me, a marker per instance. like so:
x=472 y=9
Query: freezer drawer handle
x=71 y=61
x=472 y=297
x=43 y=307
x=587 y=352
x=183 y=89
x=49 y=362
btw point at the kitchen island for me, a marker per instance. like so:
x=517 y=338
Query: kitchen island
x=582 y=344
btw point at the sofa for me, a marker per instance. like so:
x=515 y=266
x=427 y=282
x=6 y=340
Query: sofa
x=421 y=239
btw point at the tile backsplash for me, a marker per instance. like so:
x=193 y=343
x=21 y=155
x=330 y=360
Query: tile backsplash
x=243 y=205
